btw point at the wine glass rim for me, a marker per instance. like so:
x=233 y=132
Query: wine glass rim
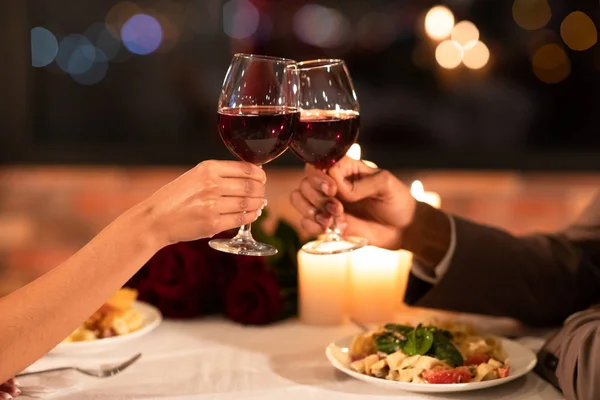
x=320 y=63
x=264 y=57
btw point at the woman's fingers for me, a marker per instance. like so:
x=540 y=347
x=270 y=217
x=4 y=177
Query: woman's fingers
x=229 y=205
x=234 y=169
x=235 y=220
x=241 y=188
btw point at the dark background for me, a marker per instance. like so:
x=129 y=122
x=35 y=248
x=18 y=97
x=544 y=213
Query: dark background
x=160 y=108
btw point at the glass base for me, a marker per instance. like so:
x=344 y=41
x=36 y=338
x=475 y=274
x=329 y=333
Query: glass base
x=243 y=247
x=328 y=246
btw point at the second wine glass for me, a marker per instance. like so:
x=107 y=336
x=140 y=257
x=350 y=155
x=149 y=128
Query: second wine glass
x=329 y=123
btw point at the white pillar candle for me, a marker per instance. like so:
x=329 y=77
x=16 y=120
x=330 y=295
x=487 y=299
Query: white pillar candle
x=323 y=288
x=355 y=152
x=375 y=283
x=418 y=192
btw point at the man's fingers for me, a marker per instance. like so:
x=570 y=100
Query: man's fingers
x=311 y=226
x=361 y=187
x=313 y=195
x=304 y=207
x=320 y=181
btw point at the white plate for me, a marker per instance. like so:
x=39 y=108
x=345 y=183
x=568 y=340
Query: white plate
x=152 y=318
x=522 y=360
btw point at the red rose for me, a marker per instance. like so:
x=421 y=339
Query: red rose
x=177 y=280
x=254 y=297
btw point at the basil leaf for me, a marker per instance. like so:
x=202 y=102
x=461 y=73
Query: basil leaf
x=443 y=349
x=418 y=341
x=388 y=342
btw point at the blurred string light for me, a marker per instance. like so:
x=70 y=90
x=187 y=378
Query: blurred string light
x=321 y=26
x=550 y=63
x=44 y=47
x=79 y=58
x=240 y=19
x=466 y=34
x=531 y=14
x=142 y=34
x=578 y=31
x=439 y=22
x=376 y=31
x=463 y=46
x=449 y=54
x=476 y=56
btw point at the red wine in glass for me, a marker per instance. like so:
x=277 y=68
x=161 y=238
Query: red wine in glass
x=257 y=134
x=324 y=136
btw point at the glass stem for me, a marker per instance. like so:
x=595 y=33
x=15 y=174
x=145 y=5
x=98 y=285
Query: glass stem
x=245 y=233
x=333 y=232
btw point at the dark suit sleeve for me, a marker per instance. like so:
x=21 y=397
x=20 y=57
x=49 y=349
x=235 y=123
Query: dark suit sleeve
x=569 y=360
x=538 y=279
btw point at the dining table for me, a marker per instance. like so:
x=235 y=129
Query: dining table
x=213 y=358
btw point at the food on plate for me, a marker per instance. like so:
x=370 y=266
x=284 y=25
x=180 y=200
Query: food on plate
x=116 y=317
x=444 y=353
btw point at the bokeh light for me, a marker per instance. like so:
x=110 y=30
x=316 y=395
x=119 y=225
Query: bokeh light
x=439 y=22
x=466 y=34
x=550 y=63
x=100 y=35
x=531 y=14
x=141 y=34
x=539 y=38
x=449 y=54
x=44 y=47
x=321 y=26
x=119 y=14
x=376 y=31
x=578 y=31
x=76 y=54
x=240 y=19
x=96 y=72
x=477 y=56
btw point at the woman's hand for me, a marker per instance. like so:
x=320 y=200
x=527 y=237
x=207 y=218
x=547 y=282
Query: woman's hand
x=366 y=202
x=212 y=197
x=9 y=390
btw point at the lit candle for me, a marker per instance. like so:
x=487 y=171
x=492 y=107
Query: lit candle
x=323 y=288
x=418 y=192
x=354 y=152
x=375 y=283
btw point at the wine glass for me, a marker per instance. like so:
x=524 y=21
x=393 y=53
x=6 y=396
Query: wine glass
x=329 y=120
x=258 y=114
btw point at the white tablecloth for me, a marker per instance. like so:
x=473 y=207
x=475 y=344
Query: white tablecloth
x=216 y=359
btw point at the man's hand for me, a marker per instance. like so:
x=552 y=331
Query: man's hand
x=366 y=202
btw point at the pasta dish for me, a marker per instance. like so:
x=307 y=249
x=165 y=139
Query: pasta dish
x=445 y=353
x=116 y=317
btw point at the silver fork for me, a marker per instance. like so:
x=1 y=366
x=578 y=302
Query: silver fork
x=97 y=373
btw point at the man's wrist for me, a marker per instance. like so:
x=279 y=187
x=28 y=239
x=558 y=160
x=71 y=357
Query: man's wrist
x=428 y=235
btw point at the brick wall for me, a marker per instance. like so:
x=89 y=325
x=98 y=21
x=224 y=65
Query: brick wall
x=46 y=213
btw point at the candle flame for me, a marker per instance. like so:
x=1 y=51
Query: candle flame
x=417 y=190
x=354 y=152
